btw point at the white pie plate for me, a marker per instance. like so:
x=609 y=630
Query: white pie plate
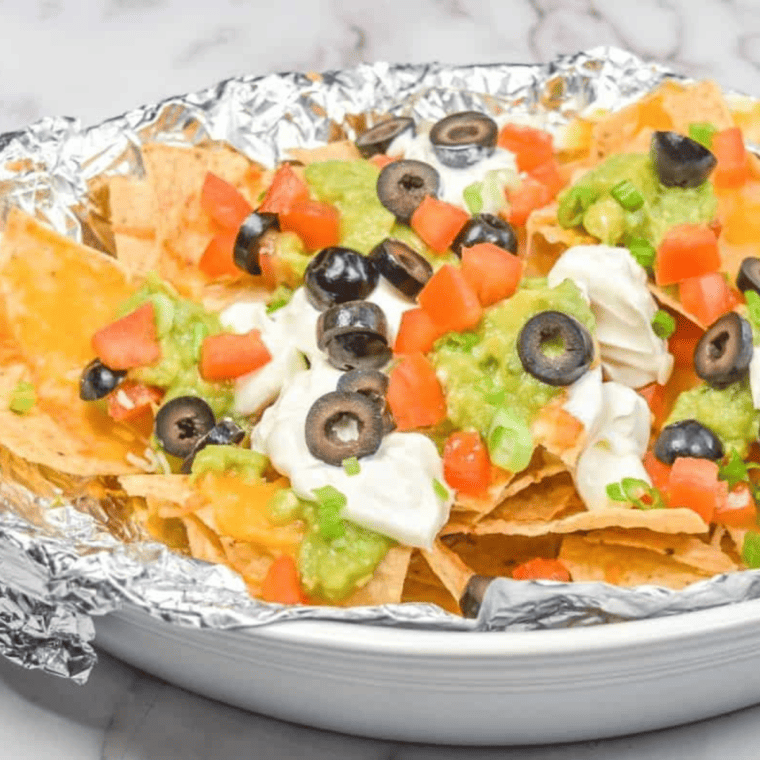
x=462 y=687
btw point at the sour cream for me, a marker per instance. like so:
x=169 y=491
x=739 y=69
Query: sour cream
x=393 y=493
x=616 y=287
x=754 y=377
x=453 y=181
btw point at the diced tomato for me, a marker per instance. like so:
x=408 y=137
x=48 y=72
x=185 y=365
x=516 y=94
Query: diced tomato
x=491 y=272
x=739 y=510
x=532 y=147
x=450 y=301
x=694 y=483
x=541 y=569
x=132 y=399
x=129 y=342
x=683 y=341
x=227 y=356
x=223 y=202
x=438 y=222
x=217 y=259
x=732 y=169
x=658 y=471
x=416 y=333
x=316 y=223
x=548 y=174
x=380 y=160
x=530 y=195
x=282 y=583
x=466 y=464
x=654 y=395
x=286 y=189
x=415 y=396
x=708 y=296
x=687 y=250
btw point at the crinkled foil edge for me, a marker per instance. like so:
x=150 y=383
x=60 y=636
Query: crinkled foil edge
x=59 y=566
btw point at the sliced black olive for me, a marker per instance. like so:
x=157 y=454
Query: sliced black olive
x=749 y=275
x=97 y=380
x=374 y=385
x=402 y=266
x=464 y=138
x=687 y=438
x=249 y=238
x=402 y=185
x=358 y=350
x=723 y=353
x=555 y=348
x=485 y=228
x=352 y=316
x=473 y=595
x=181 y=422
x=341 y=425
x=336 y=275
x=226 y=432
x=377 y=139
x=679 y=160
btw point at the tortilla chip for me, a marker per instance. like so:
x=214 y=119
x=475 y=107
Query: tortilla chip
x=133 y=208
x=171 y=491
x=248 y=560
x=547 y=240
x=204 y=543
x=423 y=585
x=387 y=584
x=449 y=568
x=343 y=150
x=138 y=255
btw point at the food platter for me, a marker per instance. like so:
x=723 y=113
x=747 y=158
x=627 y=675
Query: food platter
x=466 y=687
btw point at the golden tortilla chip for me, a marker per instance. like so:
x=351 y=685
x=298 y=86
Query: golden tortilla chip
x=342 y=150
x=133 y=208
x=387 y=584
x=204 y=543
x=168 y=494
x=249 y=560
x=423 y=585
x=139 y=255
x=547 y=240
x=449 y=568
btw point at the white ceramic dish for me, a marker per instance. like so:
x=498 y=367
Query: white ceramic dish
x=462 y=687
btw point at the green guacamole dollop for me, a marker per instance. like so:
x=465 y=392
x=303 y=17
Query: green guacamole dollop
x=243 y=462
x=181 y=325
x=728 y=412
x=481 y=371
x=589 y=202
x=336 y=555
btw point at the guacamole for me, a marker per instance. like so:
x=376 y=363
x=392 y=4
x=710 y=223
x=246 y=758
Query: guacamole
x=592 y=203
x=336 y=556
x=181 y=326
x=485 y=384
x=728 y=412
x=244 y=462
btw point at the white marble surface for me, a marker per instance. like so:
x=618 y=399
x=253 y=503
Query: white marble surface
x=97 y=58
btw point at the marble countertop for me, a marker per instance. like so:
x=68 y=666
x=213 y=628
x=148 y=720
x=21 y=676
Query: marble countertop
x=97 y=58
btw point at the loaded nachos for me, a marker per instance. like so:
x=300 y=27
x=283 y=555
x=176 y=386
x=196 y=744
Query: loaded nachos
x=389 y=369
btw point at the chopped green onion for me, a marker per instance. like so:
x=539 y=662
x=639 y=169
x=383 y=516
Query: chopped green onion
x=751 y=550
x=440 y=490
x=23 y=397
x=473 y=197
x=280 y=297
x=615 y=492
x=352 y=466
x=702 y=132
x=753 y=308
x=509 y=441
x=637 y=492
x=736 y=470
x=643 y=251
x=573 y=205
x=330 y=503
x=663 y=324
x=626 y=194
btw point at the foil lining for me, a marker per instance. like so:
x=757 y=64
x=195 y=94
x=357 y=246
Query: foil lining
x=60 y=566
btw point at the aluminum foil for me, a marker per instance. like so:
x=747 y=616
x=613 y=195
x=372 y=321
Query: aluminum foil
x=60 y=565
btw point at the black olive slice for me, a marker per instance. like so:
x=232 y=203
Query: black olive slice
x=679 y=160
x=353 y=316
x=341 y=425
x=464 y=138
x=687 y=438
x=226 y=432
x=565 y=361
x=358 y=350
x=249 y=238
x=336 y=275
x=377 y=139
x=485 y=228
x=181 y=422
x=97 y=380
x=374 y=385
x=402 y=266
x=723 y=353
x=402 y=185
x=473 y=595
x=749 y=275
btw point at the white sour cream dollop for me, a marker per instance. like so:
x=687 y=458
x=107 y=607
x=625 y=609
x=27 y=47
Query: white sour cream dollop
x=453 y=181
x=392 y=494
x=616 y=288
x=618 y=439
x=754 y=376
